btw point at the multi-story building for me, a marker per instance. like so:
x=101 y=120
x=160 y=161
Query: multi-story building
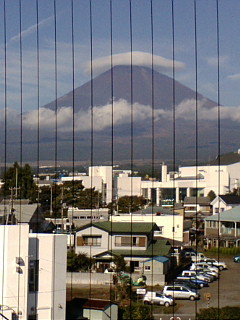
x=33 y=274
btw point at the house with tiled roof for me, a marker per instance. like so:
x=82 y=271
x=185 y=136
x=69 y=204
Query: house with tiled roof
x=223 y=229
x=91 y=309
x=224 y=202
x=194 y=205
x=134 y=241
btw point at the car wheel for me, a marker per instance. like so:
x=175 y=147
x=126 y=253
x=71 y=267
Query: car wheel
x=220 y=268
x=192 y=298
x=146 y=302
x=166 y=304
x=201 y=285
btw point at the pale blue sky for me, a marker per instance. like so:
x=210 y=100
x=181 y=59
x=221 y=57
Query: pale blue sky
x=141 y=36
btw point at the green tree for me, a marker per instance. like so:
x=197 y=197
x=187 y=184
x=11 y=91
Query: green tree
x=225 y=313
x=211 y=195
x=120 y=263
x=128 y=204
x=18 y=182
x=137 y=311
x=78 y=262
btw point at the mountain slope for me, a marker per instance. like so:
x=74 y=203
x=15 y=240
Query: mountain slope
x=142 y=90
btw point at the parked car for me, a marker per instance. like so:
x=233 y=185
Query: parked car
x=200 y=283
x=236 y=259
x=186 y=282
x=221 y=265
x=181 y=292
x=196 y=257
x=152 y=297
x=200 y=265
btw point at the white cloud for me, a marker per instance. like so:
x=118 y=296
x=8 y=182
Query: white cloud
x=102 y=115
x=213 y=61
x=30 y=29
x=137 y=57
x=235 y=76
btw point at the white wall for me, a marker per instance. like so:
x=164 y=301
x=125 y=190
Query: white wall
x=109 y=313
x=165 y=221
x=128 y=186
x=13 y=293
x=92 y=250
x=105 y=172
x=51 y=251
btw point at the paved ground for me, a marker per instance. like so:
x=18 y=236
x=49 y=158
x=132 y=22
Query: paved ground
x=224 y=292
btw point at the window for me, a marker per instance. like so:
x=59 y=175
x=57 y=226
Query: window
x=92 y=240
x=33 y=275
x=147 y=268
x=129 y=241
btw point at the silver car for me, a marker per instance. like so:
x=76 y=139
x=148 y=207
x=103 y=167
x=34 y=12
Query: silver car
x=181 y=292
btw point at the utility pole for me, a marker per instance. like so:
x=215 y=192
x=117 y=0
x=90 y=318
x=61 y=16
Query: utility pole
x=62 y=207
x=51 y=209
x=11 y=210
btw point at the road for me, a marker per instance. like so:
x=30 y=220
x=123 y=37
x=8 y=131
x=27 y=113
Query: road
x=224 y=292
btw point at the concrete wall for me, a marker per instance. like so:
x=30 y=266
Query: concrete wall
x=94 y=278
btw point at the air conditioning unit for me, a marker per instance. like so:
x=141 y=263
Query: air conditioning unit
x=19 y=270
x=19 y=261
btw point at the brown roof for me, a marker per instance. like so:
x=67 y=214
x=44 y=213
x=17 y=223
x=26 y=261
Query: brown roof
x=97 y=304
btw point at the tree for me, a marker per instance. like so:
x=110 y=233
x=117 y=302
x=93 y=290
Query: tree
x=225 y=313
x=128 y=204
x=138 y=311
x=120 y=263
x=211 y=195
x=18 y=181
x=78 y=262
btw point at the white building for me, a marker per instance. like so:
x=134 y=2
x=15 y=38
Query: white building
x=33 y=274
x=170 y=226
x=220 y=176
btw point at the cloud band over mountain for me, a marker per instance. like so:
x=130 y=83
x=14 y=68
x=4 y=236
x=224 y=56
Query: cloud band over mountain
x=121 y=110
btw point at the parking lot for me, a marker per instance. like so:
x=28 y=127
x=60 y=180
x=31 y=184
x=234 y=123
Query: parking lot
x=223 y=292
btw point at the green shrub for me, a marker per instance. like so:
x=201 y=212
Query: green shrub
x=136 y=311
x=225 y=313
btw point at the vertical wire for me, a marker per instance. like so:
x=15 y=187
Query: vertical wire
x=5 y=142
x=112 y=121
x=21 y=141
x=38 y=134
x=196 y=122
x=56 y=136
x=173 y=113
x=131 y=139
x=73 y=118
x=153 y=109
x=92 y=124
x=56 y=102
x=219 y=132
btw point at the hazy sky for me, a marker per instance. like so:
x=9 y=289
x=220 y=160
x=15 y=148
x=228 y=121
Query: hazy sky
x=229 y=45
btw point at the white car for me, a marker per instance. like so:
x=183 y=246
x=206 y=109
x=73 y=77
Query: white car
x=202 y=265
x=152 y=297
x=221 y=265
